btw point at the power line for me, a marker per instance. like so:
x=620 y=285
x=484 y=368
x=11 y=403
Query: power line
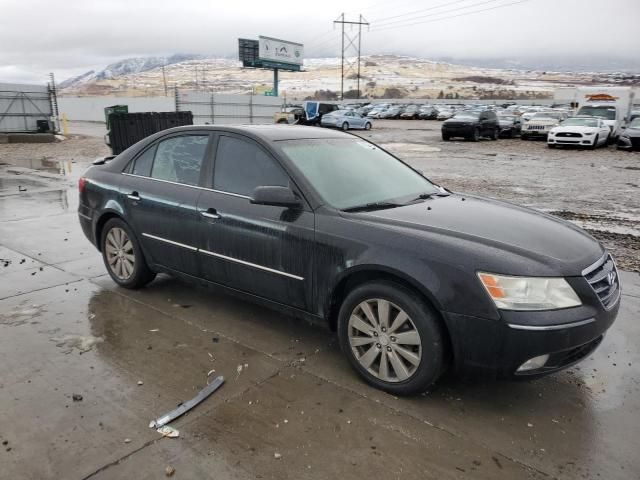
x=463 y=14
x=435 y=14
x=446 y=4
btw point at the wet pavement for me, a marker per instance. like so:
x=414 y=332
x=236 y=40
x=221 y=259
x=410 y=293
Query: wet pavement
x=291 y=408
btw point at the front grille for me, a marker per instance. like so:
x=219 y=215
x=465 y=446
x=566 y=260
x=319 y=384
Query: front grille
x=603 y=278
x=569 y=134
x=537 y=127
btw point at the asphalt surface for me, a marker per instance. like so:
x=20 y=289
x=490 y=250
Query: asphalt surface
x=290 y=408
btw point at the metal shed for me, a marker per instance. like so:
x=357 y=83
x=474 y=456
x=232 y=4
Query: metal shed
x=21 y=106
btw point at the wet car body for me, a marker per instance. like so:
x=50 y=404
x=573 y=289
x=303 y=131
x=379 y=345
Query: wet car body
x=630 y=137
x=304 y=260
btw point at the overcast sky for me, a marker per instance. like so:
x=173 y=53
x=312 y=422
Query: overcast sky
x=73 y=36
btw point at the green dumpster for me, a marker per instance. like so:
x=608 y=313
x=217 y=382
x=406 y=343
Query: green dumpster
x=114 y=109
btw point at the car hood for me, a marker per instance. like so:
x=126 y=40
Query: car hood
x=632 y=132
x=575 y=128
x=555 y=244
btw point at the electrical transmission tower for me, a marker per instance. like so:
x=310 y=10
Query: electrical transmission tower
x=351 y=43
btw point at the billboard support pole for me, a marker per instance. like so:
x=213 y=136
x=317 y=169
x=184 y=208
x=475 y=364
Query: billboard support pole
x=275 y=82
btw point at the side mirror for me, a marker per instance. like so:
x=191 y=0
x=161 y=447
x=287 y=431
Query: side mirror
x=275 y=195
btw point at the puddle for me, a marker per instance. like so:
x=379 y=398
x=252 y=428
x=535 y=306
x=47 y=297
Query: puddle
x=82 y=343
x=37 y=204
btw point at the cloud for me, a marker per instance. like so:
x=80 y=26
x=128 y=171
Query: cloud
x=40 y=36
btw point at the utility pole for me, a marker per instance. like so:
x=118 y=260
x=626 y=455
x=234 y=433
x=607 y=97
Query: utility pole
x=348 y=44
x=164 y=81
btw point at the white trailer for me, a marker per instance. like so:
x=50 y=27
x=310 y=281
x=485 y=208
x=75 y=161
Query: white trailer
x=612 y=104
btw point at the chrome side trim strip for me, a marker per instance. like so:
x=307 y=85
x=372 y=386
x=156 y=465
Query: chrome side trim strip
x=87 y=217
x=595 y=264
x=249 y=264
x=185 y=185
x=188 y=247
x=544 y=328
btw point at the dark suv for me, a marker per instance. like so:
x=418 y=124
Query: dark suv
x=472 y=125
x=330 y=227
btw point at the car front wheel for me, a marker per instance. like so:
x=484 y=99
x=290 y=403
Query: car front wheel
x=123 y=256
x=367 y=126
x=391 y=337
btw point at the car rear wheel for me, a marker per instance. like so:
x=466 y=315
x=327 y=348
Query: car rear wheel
x=123 y=256
x=475 y=136
x=391 y=337
x=345 y=126
x=496 y=134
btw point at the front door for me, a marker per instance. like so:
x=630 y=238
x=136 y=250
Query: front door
x=160 y=191
x=264 y=250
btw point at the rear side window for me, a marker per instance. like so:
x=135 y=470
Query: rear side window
x=143 y=162
x=179 y=159
x=241 y=166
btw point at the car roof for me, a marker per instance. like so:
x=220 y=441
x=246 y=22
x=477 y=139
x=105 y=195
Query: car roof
x=269 y=133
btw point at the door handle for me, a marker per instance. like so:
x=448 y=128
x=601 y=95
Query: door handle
x=209 y=213
x=134 y=196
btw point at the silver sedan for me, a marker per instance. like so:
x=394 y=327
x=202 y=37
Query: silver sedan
x=346 y=119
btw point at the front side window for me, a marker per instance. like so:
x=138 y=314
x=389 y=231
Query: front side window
x=179 y=159
x=241 y=166
x=349 y=172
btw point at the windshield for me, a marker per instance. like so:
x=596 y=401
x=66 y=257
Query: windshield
x=635 y=123
x=607 y=112
x=506 y=118
x=469 y=115
x=580 y=122
x=547 y=115
x=351 y=172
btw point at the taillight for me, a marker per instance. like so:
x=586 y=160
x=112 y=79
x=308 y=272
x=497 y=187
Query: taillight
x=81 y=184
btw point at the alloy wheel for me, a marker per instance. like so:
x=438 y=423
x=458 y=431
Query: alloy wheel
x=120 y=254
x=384 y=340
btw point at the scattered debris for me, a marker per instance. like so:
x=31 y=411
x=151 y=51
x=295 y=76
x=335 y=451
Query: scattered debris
x=277 y=455
x=127 y=440
x=76 y=397
x=210 y=372
x=140 y=382
x=168 y=431
x=154 y=330
x=215 y=339
x=239 y=370
x=169 y=471
x=21 y=188
x=529 y=425
x=82 y=343
x=189 y=404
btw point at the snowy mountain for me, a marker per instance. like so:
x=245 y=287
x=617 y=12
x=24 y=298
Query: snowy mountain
x=126 y=67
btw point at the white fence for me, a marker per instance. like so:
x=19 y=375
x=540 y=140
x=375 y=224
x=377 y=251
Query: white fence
x=227 y=109
x=21 y=106
x=91 y=109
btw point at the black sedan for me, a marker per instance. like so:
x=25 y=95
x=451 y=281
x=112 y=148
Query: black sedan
x=330 y=227
x=630 y=137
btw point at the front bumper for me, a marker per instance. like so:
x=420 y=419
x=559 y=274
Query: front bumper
x=458 y=130
x=585 y=140
x=628 y=143
x=497 y=348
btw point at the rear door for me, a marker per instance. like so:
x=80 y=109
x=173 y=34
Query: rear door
x=264 y=250
x=161 y=190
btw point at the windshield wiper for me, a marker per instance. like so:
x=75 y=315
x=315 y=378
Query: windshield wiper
x=425 y=196
x=372 y=206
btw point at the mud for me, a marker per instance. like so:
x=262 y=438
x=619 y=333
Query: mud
x=291 y=407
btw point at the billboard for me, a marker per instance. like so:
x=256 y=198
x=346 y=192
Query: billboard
x=280 y=51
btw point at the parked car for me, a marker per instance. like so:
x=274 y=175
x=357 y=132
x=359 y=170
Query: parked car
x=445 y=113
x=510 y=125
x=583 y=131
x=346 y=119
x=410 y=113
x=391 y=113
x=541 y=123
x=427 y=112
x=332 y=228
x=290 y=114
x=472 y=125
x=313 y=112
x=630 y=137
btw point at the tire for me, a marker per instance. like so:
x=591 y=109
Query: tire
x=551 y=145
x=524 y=137
x=445 y=137
x=345 y=127
x=119 y=250
x=495 y=135
x=595 y=143
x=282 y=120
x=402 y=376
x=367 y=126
x=512 y=133
x=475 y=136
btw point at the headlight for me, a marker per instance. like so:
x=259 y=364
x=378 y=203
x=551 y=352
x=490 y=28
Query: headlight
x=523 y=293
